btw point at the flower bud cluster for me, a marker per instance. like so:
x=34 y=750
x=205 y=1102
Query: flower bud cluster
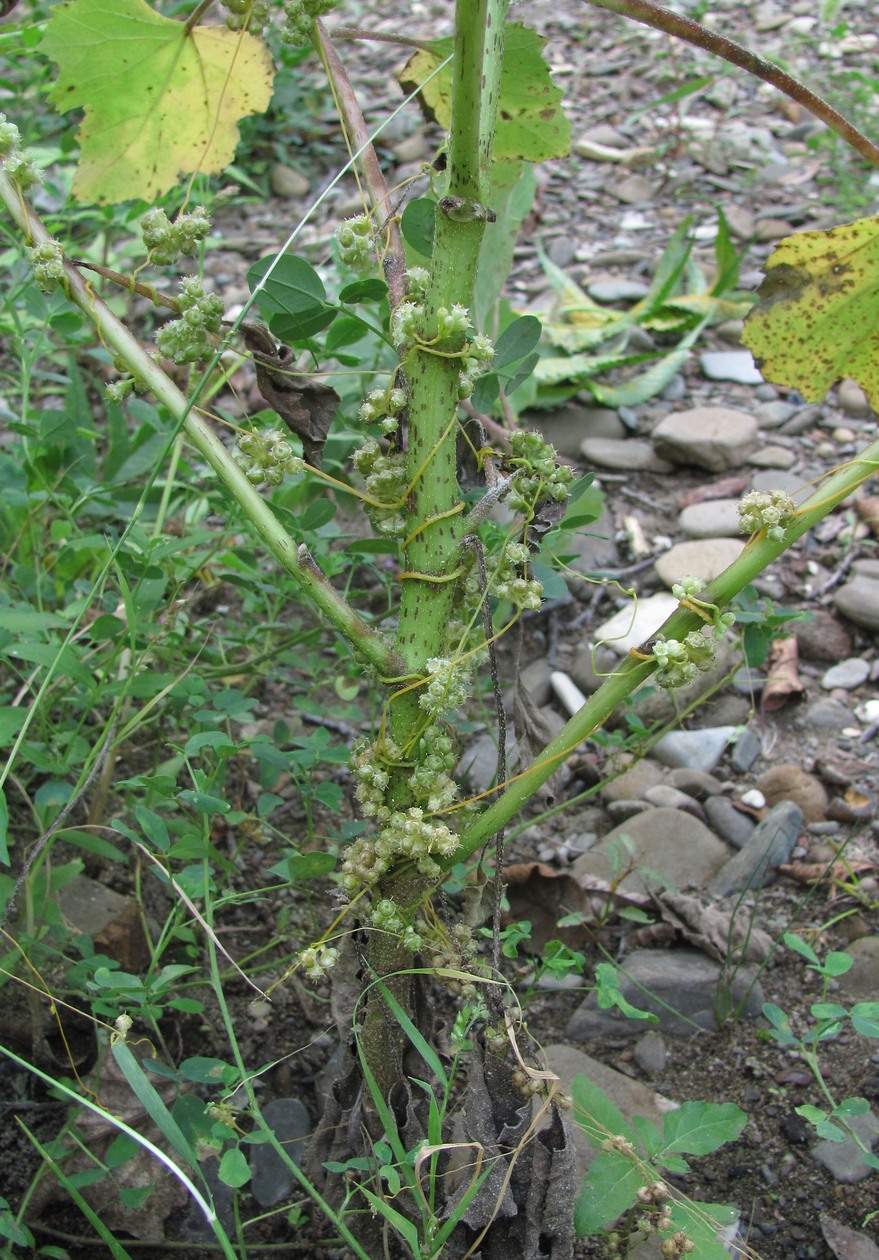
x=383 y=407
x=678 y=1245
x=454 y=322
x=687 y=588
x=299 y=15
x=679 y=660
x=267 y=458
x=187 y=340
x=355 y=243
x=387 y=917
x=372 y=776
x=455 y=950
x=250 y=15
x=406 y=834
x=166 y=241
x=657 y=1219
x=417 y=278
x=386 y=484
x=47 y=261
x=448 y=685
x=431 y=781
x=771 y=510
x=537 y=474
x=18 y=164
x=317 y=960
x=406 y=324
x=511 y=581
x=478 y=354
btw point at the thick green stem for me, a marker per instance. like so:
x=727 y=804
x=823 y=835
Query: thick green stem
x=367 y=642
x=426 y=605
x=633 y=671
x=432 y=370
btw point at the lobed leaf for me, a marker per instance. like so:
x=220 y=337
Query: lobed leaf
x=137 y=75
x=531 y=123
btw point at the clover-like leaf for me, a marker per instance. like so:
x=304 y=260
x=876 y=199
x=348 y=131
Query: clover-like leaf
x=817 y=319
x=160 y=101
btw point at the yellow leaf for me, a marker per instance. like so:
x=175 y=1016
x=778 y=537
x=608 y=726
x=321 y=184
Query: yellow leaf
x=160 y=102
x=817 y=319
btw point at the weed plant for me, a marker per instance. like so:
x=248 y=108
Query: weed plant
x=141 y=626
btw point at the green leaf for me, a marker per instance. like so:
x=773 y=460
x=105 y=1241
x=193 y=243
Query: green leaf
x=517 y=340
x=610 y=1188
x=203 y=802
x=817 y=318
x=234 y=1169
x=364 y=291
x=345 y=331
x=697 y=1128
x=837 y=963
x=851 y=1107
x=217 y=740
x=801 y=947
x=154 y=827
x=293 y=298
x=701 y=1223
x=865 y=1018
x=159 y=101
x=609 y=994
x=407 y=1229
x=531 y=123
x=152 y=1101
x=11 y=721
x=302 y=866
x=596 y=1114
x=828 y=1010
x=418 y=225
x=780 y=1031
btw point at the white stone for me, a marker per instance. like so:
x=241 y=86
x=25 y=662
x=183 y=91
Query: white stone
x=636 y=623
x=731 y=365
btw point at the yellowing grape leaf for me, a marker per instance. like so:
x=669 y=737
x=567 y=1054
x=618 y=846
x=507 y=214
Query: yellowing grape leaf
x=531 y=123
x=817 y=318
x=159 y=103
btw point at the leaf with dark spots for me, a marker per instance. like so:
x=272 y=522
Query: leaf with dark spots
x=817 y=319
x=306 y=406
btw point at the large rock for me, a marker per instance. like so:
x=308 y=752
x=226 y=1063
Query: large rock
x=858 y=600
x=704 y=558
x=769 y=845
x=629 y=454
x=670 y=843
x=716 y=438
x=715 y=518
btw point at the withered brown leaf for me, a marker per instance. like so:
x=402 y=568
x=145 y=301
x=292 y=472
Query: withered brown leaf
x=305 y=405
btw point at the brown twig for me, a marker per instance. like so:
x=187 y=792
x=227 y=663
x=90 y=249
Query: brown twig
x=394 y=261
x=662 y=19
x=131 y=285
x=357 y=32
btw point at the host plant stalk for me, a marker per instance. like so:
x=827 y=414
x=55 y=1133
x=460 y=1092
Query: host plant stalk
x=433 y=554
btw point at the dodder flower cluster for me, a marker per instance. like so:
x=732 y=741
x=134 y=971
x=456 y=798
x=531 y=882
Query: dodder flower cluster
x=188 y=339
x=166 y=241
x=771 y=510
x=267 y=457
